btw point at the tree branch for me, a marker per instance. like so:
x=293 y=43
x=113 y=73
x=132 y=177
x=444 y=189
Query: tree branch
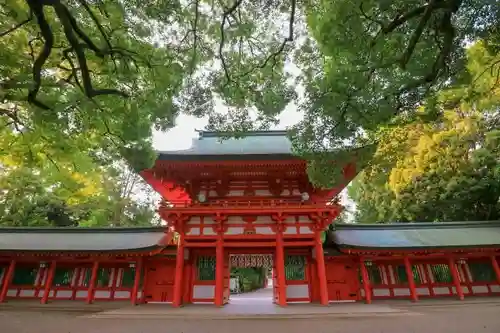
x=417 y=33
x=225 y=16
x=17 y=26
x=48 y=37
x=287 y=39
x=64 y=16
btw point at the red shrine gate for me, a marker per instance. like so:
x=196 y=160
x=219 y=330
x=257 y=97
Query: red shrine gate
x=248 y=197
x=222 y=201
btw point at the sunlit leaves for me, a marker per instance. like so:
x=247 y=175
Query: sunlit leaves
x=446 y=169
x=380 y=60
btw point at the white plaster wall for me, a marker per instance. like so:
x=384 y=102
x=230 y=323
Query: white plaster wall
x=194 y=231
x=401 y=291
x=64 y=293
x=380 y=292
x=441 y=290
x=82 y=294
x=297 y=291
x=480 y=289
x=305 y=230
x=235 y=231
x=27 y=293
x=264 y=230
x=203 y=292
x=102 y=294
x=122 y=294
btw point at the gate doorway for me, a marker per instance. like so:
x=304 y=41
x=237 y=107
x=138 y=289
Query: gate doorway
x=251 y=278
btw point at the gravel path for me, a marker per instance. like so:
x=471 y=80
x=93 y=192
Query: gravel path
x=476 y=318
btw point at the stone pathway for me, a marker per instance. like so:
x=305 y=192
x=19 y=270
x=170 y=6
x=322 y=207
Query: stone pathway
x=257 y=305
x=475 y=318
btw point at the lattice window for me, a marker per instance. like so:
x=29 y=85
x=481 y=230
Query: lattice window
x=374 y=274
x=3 y=270
x=206 y=268
x=86 y=278
x=251 y=260
x=295 y=268
x=441 y=273
x=62 y=277
x=25 y=276
x=401 y=276
x=416 y=275
x=103 y=276
x=482 y=272
x=129 y=277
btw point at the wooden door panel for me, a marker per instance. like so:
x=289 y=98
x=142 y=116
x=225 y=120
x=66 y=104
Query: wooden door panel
x=160 y=282
x=342 y=281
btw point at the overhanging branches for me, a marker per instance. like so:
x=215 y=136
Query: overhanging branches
x=78 y=43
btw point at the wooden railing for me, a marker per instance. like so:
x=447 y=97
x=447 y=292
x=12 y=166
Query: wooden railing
x=254 y=203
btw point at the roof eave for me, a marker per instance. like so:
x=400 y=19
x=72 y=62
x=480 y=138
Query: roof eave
x=76 y=230
x=175 y=157
x=93 y=251
x=414 y=248
x=417 y=225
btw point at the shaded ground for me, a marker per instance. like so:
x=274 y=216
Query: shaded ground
x=442 y=315
x=456 y=319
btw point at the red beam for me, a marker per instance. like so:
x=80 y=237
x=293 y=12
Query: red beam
x=366 y=282
x=137 y=280
x=179 y=267
x=251 y=244
x=219 y=270
x=280 y=269
x=320 y=259
x=93 y=278
x=6 y=280
x=456 y=279
x=48 y=282
x=411 y=281
x=415 y=254
x=207 y=244
x=496 y=268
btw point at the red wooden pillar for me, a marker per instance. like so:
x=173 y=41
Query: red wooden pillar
x=93 y=278
x=456 y=278
x=113 y=283
x=7 y=278
x=320 y=260
x=366 y=282
x=390 y=279
x=411 y=281
x=280 y=267
x=428 y=280
x=137 y=281
x=48 y=283
x=179 y=267
x=142 y=300
x=39 y=280
x=496 y=267
x=219 y=271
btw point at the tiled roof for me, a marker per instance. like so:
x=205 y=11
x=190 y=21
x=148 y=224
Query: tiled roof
x=82 y=239
x=417 y=235
x=215 y=146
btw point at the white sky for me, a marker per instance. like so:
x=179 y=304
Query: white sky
x=181 y=135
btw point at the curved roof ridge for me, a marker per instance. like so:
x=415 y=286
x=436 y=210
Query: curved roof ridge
x=82 y=229
x=418 y=225
x=217 y=134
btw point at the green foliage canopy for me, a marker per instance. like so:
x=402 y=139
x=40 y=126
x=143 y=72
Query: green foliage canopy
x=110 y=70
x=445 y=170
